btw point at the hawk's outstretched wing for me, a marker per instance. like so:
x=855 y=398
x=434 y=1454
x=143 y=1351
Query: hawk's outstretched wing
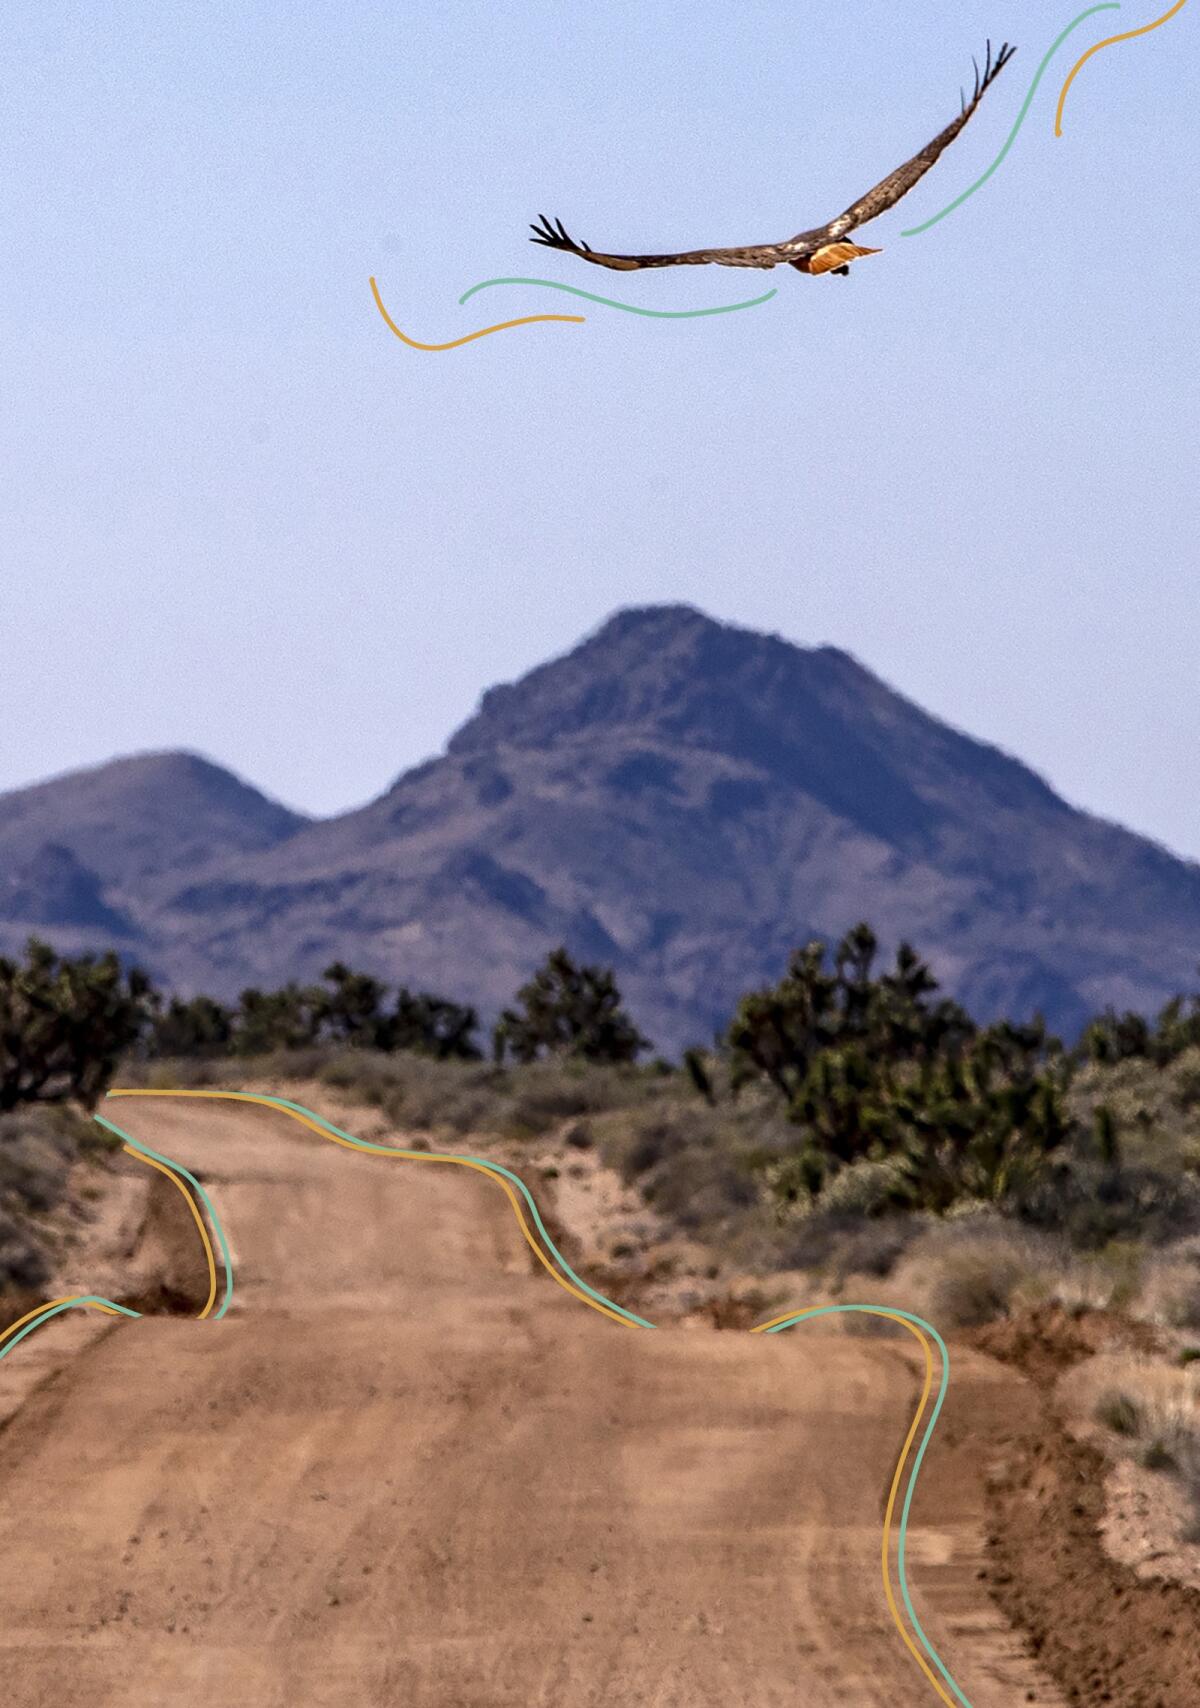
x=756 y=255
x=806 y=244
x=901 y=181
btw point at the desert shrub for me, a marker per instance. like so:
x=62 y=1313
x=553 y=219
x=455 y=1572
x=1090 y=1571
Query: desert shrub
x=64 y=1025
x=196 y=1027
x=1154 y=1411
x=566 y=1009
x=1094 y=1205
x=1157 y=1456
x=702 y=1190
x=1170 y=1292
x=873 y=1069
x=456 y=1097
x=974 y=1287
x=360 y=1073
x=539 y=1105
x=23 y=1261
x=37 y=1149
x=1119 y=1412
x=38 y=1146
x=840 y=1245
x=485 y=1097
x=976 y=1266
x=650 y=1143
x=863 y=1189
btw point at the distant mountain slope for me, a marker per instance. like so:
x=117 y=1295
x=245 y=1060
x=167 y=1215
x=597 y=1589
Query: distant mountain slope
x=54 y=888
x=686 y=801
x=135 y=818
x=91 y=851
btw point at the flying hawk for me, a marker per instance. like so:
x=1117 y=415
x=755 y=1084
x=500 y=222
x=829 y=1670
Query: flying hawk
x=821 y=250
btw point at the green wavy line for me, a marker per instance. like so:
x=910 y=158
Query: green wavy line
x=902 y=1552
x=1109 y=6
x=213 y=1217
x=611 y=302
x=97 y=1298
x=455 y=1156
x=57 y=1310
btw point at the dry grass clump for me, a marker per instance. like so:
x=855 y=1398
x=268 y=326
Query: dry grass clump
x=1149 y=1411
x=38 y=1146
x=1119 y=1412
x=1169 y=1293
x=975 y=1267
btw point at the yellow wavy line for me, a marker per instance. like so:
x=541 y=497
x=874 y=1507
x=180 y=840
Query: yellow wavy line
x=196 y=1217
x=413 y=344
x=893 y=1492
x=405 y=1156
x=1126 y=36
x=48 y=1304
x=69 y=1298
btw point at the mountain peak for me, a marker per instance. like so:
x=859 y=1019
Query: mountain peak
x=648 y=664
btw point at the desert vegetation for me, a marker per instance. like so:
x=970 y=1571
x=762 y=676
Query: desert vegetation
x=850 y=1120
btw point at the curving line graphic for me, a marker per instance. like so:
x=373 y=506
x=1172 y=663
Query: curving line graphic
x=915 y=1325
x=43 y=1313
x=94 y=1301
x=1127 y=36
x=146 y=1154
x=611 y=302
x=1108 y=6
x=199 y=1220
x=415 y=344
x=607 y=1307
x=326 y=1130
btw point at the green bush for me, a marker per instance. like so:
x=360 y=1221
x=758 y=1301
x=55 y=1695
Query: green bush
x=65 y=1024
x=873 y=1069
x=568 y=1010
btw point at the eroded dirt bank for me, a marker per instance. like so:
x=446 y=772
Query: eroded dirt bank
x=1106 y=1635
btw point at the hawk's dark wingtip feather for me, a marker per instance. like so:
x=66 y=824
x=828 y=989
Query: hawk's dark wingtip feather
x=546 y=234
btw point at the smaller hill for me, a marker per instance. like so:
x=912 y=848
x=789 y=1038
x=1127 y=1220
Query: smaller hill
x=134 y=819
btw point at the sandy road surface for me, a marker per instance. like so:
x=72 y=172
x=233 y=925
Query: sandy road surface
x=408 y=1470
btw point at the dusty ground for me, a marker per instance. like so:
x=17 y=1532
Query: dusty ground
x=407 y=1469
x=1111 y=1632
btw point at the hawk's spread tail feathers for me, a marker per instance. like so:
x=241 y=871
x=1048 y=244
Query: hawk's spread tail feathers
x=832 y=256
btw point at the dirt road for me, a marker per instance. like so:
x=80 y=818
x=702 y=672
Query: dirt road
x=408 y=1470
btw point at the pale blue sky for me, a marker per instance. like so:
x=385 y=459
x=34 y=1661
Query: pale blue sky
x=237 y=515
